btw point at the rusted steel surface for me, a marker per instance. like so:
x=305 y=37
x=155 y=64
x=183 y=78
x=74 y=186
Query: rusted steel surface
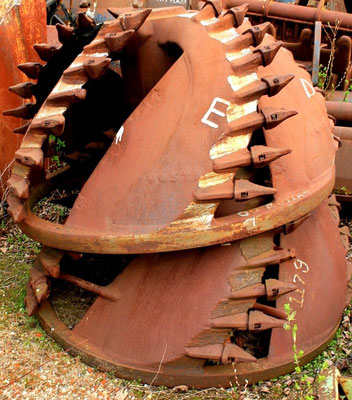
x=17 y=36
x=340 y=110
x=189 y=222
x=234 y=172
x=343 y=159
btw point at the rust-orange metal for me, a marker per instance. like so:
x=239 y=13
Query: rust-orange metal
x=217 y=181
x=18 y=34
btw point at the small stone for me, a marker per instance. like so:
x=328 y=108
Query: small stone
x=181 y=388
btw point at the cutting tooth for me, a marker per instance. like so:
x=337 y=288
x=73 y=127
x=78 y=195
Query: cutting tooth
x=234 y=321
x=46 y=51
x=276 y=83
x=274 y=312
x=345 y=236
x=31 y=69
x=115 y=11
x=238 y=13
x=133 y=21
x=270 y=258
x=245 y=190
x=18 y=186
x=237 y=159
x=24 y=90
x=64 y=32
x=210 y=9
x=269 y=85
x=50 y=259
x=248 y=123
x=95 y=68
x=40 y=285
x=233 y=353
x=275 y=288
x=274 y=116
x=333 y=202
x=75 y=75
x=209 y=351
x=263 y=55
x=258 y=321
x=16 y=208
x=97 y=46
x=251 y=37
x=25 y=111
x=30 y=301
x=224 y=190
x=84 y=23
x=263 y=155
x=67 y=97
x=22 y=129
x=54 y=124
x=256 y=290
x=30 y=156
x=117 y=41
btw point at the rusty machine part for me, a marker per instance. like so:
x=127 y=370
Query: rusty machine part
x=17 y=37
x=217 y=182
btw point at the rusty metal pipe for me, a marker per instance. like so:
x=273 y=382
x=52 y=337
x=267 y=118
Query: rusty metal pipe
x=301 y=14
x=343 y=132
x=340 y=110
x=103 y=291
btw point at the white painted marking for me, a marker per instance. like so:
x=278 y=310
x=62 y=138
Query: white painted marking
x=243 y=213
x=188 y=15
x=308 y=88
x=250 y=222
x=119 y=134
x=213 y=110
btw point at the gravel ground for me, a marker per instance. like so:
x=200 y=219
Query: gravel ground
x=35 y=367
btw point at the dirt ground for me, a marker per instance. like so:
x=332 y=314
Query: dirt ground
x=33 y=366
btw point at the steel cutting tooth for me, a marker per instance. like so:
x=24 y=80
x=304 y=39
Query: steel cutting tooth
x=210 y=9
x=209 y=351
x=30 y=156
x=22 y=129
x=261 y=56
x=18 y=186
x=248 y=123
x=24 y=90
x=234 y=321
x=264 y=155
x=237 y=159
x=64 y=32
x=40 y=285
x=50 y=259
x=75 y=75
x=275 y=288
x=258 y=321
x=251 y=37
x=117 y=41
x=25 y=111
x=33 y=140
x=224 y=22
x=30 y=301
x=233 y=353
x=54 y=124
x=114 y=11
x=16 y=208
x=345 y=236
x=46 y=51
x=274 y=312
x=274 y=116
x=133 y=21
x=245 y=190
x=239 y=13
x=256 y=290
x=268 y=85
x=84 y=23
x=270 y=258
x=97 y=46
x=95 y=68
x=31 y=69
x=67 y=97
x=223 y=190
